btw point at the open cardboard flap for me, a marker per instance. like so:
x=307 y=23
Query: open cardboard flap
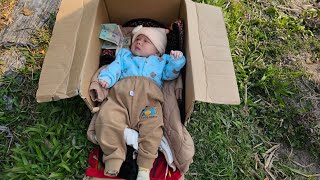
x=74 y=49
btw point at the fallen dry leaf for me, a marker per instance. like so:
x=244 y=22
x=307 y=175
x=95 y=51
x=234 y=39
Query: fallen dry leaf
x=308 y=61
x=27 y=12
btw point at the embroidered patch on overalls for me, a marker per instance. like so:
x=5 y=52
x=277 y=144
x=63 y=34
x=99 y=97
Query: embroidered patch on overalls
x=148 y=112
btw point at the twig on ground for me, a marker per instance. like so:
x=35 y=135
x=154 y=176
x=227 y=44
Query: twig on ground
x=272 y=149
x=270 y=174
x=257 y=145
x=289 y=9
x=258 y=162
x=268 y=163
x=301 y=164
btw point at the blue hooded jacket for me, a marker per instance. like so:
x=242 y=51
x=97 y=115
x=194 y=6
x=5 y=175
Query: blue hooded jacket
x=158 y=68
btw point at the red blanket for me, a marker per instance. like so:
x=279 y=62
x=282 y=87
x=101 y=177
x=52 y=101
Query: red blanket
x=160 y=170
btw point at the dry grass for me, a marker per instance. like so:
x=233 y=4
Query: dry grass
x=6 y=9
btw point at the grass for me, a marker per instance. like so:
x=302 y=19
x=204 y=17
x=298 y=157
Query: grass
x=268 y=42
x=54 y=146
x=263 y=40
x=49 y=139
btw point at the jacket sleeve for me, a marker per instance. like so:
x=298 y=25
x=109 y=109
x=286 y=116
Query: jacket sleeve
x=96 y=92
x=111 y=74
x=173 y=67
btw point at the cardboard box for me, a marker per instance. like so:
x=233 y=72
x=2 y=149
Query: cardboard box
x=73 y=54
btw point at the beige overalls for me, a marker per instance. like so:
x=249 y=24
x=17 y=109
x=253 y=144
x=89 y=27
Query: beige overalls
x=133 y=102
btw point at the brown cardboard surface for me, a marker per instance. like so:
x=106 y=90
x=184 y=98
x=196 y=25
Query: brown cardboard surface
x=73 y=54
x=84 y=44
x=164 y=11
x=54 y=83
x=220 y=85
x=194 y=64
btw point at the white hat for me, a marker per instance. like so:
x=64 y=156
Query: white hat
x=158 y=36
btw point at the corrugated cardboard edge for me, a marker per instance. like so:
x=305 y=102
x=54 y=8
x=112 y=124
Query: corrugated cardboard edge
x=99 y=15
x=54 y=80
